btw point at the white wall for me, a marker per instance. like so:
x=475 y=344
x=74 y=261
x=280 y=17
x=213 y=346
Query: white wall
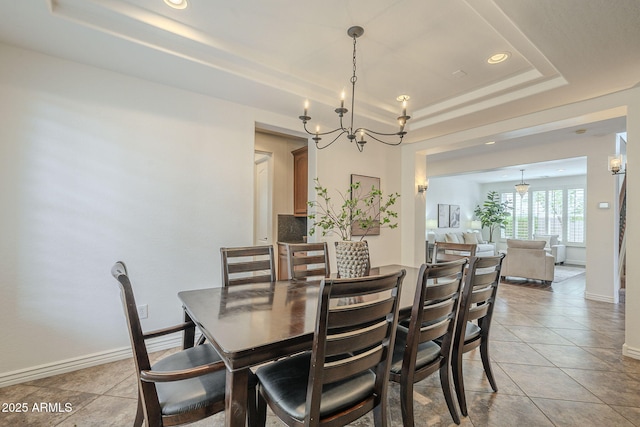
x=97 y=167
x=632 y=312
x=453 y=191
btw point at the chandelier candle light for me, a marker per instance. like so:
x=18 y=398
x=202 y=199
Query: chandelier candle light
x=351 y=131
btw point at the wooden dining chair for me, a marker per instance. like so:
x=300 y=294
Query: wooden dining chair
x=345 y=374
x=181 y=388
x=308 y=260
x=445 y=251
x=424 y=343
x=249 y=264
x=474 y=319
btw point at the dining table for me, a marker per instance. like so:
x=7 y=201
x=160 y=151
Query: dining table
x=253 y=324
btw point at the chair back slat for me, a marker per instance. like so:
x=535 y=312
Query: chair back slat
x=343 y=314
x=306 y=260
x=478 y=312
x=341 y=343
x=243 y=267
x=249 y=264
x=354 y=335
x=446 y=252
x=434 y=313
x=481 y=294
x=352 y=365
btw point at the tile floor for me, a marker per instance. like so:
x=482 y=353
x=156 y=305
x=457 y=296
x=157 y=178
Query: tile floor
x=557 y=358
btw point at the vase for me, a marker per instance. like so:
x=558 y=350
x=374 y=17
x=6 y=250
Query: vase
x=352 y=258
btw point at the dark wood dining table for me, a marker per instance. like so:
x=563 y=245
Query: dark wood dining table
x=253 y=324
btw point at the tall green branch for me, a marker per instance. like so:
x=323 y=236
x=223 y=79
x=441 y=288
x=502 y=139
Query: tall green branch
x=365 y=210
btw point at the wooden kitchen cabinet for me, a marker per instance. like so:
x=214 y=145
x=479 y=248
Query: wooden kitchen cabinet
x=300 y=177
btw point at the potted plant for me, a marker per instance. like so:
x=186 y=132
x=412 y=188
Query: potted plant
x=493 y=213
x=357 y=208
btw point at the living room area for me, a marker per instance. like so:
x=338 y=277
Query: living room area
x=568 y=187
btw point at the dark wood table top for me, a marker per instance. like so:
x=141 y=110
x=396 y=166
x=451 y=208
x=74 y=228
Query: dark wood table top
x=256 y=323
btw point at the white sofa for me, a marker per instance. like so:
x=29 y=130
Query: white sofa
x=528 y=259
x=552 y=246
x=483 y=248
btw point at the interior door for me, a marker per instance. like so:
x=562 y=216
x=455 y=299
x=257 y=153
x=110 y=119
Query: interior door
x=262 y=213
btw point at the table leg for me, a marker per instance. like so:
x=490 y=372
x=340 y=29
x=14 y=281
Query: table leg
x=189 y=334
x=236 y=398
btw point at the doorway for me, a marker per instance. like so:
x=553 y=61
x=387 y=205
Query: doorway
x=263 y=198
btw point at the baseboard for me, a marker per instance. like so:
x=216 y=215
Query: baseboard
x=575 y=262
x=634 y=353
x=87 y=361
x=598 y=297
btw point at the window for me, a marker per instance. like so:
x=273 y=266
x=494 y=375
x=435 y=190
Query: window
x=507 y=231
x=575 y=217
x=558 y=211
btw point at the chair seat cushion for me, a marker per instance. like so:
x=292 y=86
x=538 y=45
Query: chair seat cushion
x=427 y=351
x=472 y=331
x=285 y=383
x=182 y=396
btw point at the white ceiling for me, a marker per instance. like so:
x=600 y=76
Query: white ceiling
x=275 y=54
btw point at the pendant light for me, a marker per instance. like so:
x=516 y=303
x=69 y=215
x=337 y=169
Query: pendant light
x=522 y=187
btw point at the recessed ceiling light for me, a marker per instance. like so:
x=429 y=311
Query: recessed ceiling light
x=489 y=142
x=177 y=4
x=498 y=57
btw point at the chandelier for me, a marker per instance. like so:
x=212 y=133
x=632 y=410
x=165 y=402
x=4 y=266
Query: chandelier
x=523 y=187
x=351 y=131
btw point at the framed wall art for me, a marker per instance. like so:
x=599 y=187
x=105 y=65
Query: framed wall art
x=443 y=216
x=366 y=184
x=454 y=216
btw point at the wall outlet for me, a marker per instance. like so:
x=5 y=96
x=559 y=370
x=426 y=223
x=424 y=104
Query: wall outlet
x=143 y=311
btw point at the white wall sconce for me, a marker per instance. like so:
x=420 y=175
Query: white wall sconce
x=422 y=188
x=617 y=164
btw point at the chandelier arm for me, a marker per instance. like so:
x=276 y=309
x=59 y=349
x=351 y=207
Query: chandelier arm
x=334 y=140
x=323 y=133
x=384 y=134
x=371 y=133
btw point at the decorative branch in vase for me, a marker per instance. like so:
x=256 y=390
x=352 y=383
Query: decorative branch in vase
x=361 y=208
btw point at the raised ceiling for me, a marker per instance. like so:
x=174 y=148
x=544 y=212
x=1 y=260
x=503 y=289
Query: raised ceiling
x=275 y=54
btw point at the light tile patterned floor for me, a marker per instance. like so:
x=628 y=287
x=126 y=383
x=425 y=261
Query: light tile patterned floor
x=557 y=358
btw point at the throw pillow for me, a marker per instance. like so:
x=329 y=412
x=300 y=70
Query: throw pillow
x=451 y=238
x=440 y=237
x=470 y=238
